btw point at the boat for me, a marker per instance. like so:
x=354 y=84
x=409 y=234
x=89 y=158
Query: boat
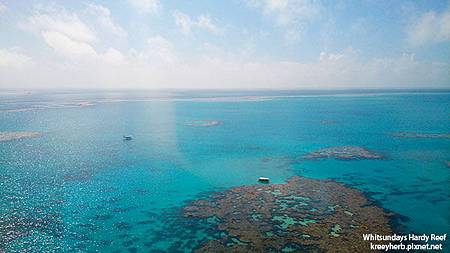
x=127 y=137
x=263 y=179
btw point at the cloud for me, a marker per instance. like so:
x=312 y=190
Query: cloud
x=146 y=6
x=289 y=12
x=13 y=58
x=183 y=21
x=81 y=52
x=87 y=56
x=74 y=40
x=158 y=51
x=113 y=57
x=161 y=49
x=2 y=7
x=159 y=66
x=68 y=24
x=430 y=28
x=68 y=47
x=105 y=21
x=187 y=24
x=324 y=56
x=292 y=15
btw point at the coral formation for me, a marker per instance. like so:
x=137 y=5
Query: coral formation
x=343 y=153
x=50 y=106
x=421 y=135
x=8 y=136
x=204 y=123
x=305 y=215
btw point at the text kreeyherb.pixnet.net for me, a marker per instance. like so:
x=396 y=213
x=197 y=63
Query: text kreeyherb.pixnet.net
x=410 y=242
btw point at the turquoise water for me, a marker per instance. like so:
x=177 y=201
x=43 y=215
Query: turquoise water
x=80 y=187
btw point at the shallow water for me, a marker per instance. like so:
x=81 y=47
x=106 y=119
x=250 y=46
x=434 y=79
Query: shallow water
x=80 y=187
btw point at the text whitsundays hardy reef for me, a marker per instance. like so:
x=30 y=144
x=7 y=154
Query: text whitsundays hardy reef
x=412 y=241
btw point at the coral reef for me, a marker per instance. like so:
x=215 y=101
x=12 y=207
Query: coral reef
x=343 y=153
x=81 y=175
x=14 y=227
x=50 y=106
x=304 y=215
x=204 y=123
x=8 y=136
x=421 y=135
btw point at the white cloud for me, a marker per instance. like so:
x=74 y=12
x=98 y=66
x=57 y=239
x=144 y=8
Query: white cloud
x=105 y=21
x=324 y=56
x=159 y=42
x=205 y=22
x=114 y=57
x=429 y=28
x=146 y=6
x=158 y=51
x=74 y=40
x=68 y=24
x=87 y=59
x=2 y=7
x=187 y=24
x=13 y=58
x=183 y=21
x=81 y=52
x=292 y=15
x=64 y=32
x=67 y=47
x=158 y=66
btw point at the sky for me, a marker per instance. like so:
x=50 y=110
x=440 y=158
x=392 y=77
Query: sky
x=232 y=44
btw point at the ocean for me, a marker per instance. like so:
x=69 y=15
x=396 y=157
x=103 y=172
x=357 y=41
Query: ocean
x=69 y=182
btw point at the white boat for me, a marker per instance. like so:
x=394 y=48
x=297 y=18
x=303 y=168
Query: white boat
x=263 y=179
x=127 y=137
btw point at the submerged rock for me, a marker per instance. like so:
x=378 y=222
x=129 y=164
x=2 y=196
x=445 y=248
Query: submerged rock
x=9 y=136
x=343 y=153
x=421 y=135
x=15 y=227
x=204 y=123
x=50 y=106
x=304 y=215
x=82 y=175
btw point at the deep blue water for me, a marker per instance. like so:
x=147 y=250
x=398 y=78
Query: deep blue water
x=89 y=190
